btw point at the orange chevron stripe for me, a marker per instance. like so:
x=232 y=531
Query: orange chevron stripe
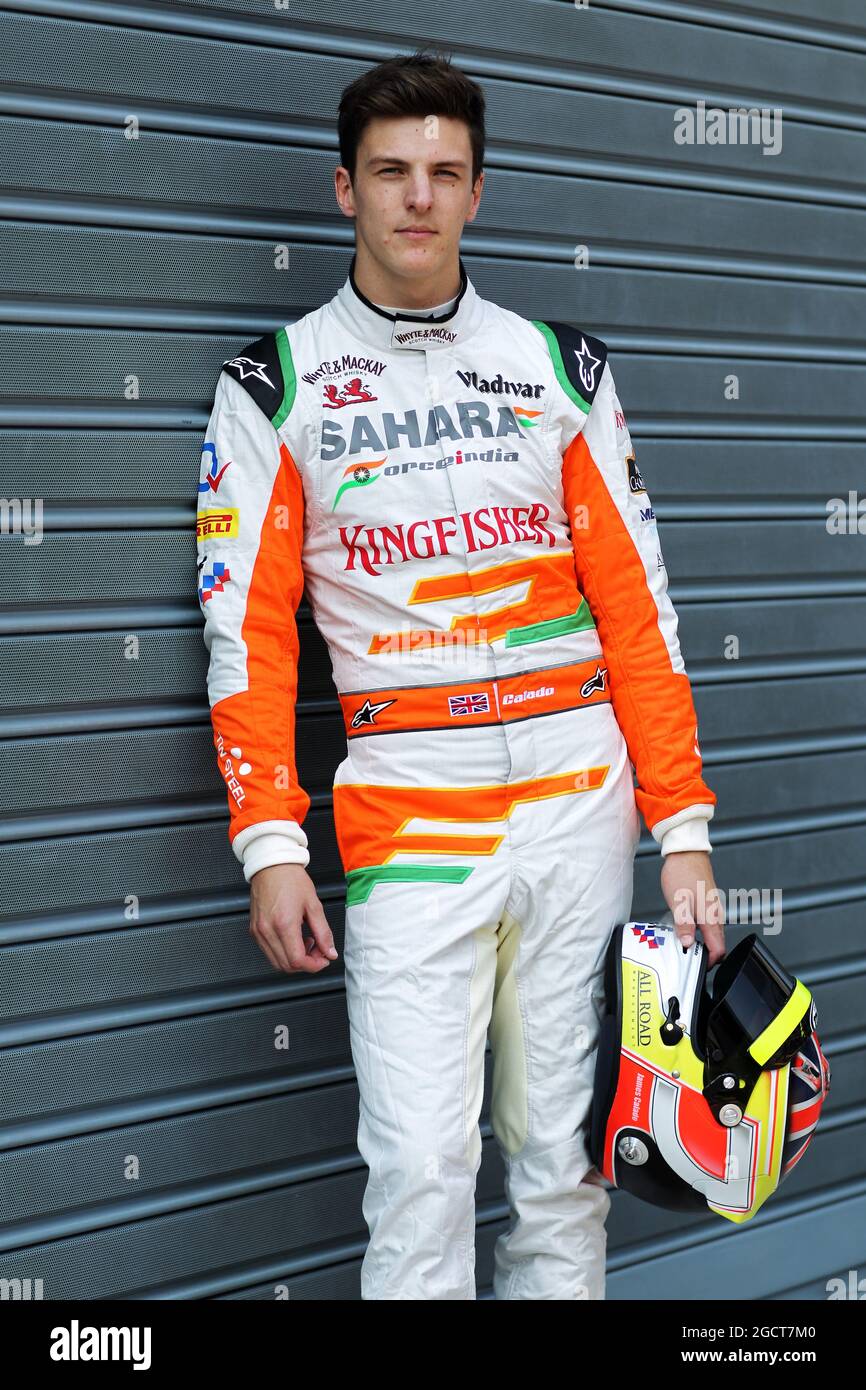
x=433 y=843
x=551 y=589
x=371 y=821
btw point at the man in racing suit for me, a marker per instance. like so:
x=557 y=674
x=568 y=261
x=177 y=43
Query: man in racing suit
x=458 y=488
x=458 y=491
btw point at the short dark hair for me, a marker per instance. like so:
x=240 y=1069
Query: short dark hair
x=423 y=83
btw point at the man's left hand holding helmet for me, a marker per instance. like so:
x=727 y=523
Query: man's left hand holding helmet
x=691 y=894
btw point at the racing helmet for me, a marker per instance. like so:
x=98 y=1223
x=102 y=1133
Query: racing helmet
x=703 y=1098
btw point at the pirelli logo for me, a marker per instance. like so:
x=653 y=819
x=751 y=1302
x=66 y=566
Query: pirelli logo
x=216 y=521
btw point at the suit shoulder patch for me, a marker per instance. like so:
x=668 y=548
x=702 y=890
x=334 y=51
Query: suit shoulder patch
x=578 y=359
x=264 y=369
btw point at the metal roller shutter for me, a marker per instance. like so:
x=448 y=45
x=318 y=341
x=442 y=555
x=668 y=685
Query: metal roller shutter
x=148 y=1029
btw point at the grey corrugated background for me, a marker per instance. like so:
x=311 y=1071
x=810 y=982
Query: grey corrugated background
x=153 y=258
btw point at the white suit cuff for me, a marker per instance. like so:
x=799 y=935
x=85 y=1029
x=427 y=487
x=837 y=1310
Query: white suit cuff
x=690 y=834
x=270 y=842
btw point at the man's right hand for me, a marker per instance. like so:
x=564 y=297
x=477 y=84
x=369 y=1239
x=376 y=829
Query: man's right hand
x=281 y=897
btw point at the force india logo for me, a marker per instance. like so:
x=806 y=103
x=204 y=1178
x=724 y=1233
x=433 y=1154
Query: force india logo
x=373 y=547
x=362 y=474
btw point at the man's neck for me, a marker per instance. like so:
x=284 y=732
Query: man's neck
x=405 y=292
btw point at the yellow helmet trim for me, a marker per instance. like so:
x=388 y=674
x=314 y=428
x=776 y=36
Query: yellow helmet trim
x=783 y=1025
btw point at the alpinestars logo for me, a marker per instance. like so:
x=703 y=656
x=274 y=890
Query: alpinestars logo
x=367 y=713
x=247 y=367
x=587 y=365
x=596 y=682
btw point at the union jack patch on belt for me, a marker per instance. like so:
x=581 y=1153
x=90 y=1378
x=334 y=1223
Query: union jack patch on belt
x=468 y=704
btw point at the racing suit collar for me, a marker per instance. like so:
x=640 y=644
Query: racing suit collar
x=421 y=331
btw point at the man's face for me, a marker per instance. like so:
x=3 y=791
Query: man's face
x=412 y=192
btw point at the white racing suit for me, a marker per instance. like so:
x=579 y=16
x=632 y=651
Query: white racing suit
x=461 y=498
